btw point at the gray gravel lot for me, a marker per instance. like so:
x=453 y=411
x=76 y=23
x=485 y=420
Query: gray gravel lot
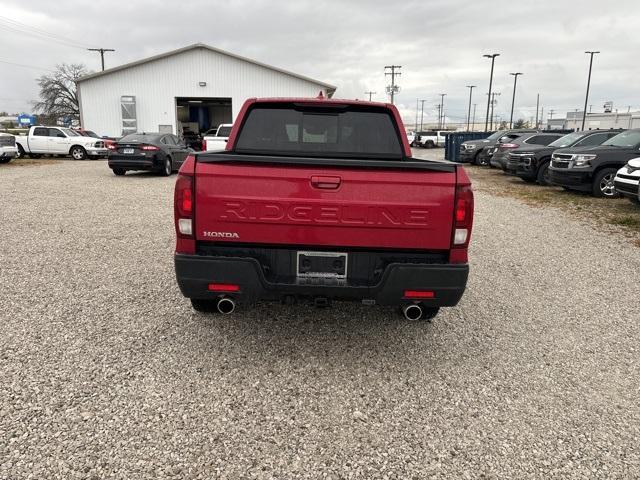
x=106 y=372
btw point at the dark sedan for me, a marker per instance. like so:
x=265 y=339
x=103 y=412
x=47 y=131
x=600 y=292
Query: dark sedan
x=157 y=152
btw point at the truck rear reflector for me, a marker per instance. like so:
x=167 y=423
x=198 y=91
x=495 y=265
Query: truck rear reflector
x=223 y=287
x=419 y=294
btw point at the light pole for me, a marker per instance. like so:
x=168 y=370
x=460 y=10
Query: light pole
x=513 y=99
x=493 y=60
x=441 y=118
x=474 y=116
x=421 y=113
x=470 y=87
x=586 y=98
x=537 y=108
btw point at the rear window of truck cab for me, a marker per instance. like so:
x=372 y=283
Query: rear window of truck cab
x=309 y=130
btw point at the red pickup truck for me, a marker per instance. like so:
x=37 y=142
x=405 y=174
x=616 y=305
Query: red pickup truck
x=321 y=199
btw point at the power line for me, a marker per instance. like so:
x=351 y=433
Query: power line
x=36 y=32
x=26 y=66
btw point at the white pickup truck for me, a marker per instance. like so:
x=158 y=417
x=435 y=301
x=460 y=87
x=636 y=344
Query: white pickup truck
x=433 y=138
x=59 y=141
x=8 y=148
x=216 y=139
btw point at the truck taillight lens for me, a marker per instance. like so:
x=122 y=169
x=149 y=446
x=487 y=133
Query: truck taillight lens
x=463 y=220
x=111 y=146
x=204 y=145
x=183 y=213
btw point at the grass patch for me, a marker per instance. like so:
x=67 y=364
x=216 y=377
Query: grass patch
x=620 y=214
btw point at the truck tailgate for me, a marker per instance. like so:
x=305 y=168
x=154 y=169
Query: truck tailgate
x=326 y=207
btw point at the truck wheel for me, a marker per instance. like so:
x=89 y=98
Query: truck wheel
x=78 y=153
x=603 y=186
x=21 y=153
x=168 y=167
x=429 y=144
x=119 y=171
x=204 y=306
x=543 y=174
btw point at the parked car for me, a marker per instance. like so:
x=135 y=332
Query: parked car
x=627 y=180
x=42 y=140
x=8 y=149
x=90 y=133
x=157 y=152
x=525 y=141
x=593 y=169
x=480 y=151
x=321 y=199
x=532 y=163
x=433 y=138
x=217 y=139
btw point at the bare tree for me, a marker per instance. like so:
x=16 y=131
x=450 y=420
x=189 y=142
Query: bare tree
x=58 y=95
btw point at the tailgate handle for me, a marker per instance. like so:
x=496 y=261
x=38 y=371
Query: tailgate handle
x=328 y=183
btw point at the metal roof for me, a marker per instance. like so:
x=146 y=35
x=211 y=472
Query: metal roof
x=330 y=88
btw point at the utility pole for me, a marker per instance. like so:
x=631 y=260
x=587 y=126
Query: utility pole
x=590 y=107
x=586 y=97
x=416 y=124
x=421 y=113
x=441 y=118
x=369 y=93
x=470 y=87
x=474 y=116
x=513 y=99
x=628 y=108
x=541 y=116
x=101 y=50
x=493 y=103
x=551 y=114
x=537 y=106
x=393 y=73
x=493 y=60
x=439 y=114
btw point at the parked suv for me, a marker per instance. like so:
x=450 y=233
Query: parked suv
x=627 y=181
x=528 y=140
x=532 y=163
x=480 y=151
x=593 y=169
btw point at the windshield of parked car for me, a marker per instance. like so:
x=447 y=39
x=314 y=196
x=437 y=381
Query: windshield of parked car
x=497 y=135
x=567 y=140
x=139 y=137
x=224 y=131
x=630 y=138
x=70 y=133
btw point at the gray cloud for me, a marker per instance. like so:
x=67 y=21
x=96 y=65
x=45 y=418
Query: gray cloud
x=438 y=43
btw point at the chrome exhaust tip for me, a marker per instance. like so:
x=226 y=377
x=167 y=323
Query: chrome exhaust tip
x=226 y=306
x=412 y=312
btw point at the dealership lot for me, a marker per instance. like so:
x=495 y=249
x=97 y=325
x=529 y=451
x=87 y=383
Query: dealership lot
x=105 y=366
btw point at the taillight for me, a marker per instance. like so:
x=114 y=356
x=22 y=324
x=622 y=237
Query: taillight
x=463 y=220
x=183 y=213
x=509 y=145
x=148 y=148
x=111 y=146
x=204 y=145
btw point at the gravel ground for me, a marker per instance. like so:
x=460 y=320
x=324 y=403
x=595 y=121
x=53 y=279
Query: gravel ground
x=106 y=372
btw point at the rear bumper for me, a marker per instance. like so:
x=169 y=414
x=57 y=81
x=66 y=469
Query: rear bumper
x=195 y=272
x=571 y=179
x=129 y=163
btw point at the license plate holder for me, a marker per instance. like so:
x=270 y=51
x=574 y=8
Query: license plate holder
x=128 y=151
x=321 y=264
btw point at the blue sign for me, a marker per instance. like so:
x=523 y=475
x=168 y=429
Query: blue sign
x=26 y=120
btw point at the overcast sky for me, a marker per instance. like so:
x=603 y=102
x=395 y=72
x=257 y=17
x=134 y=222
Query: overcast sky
x=439 y=44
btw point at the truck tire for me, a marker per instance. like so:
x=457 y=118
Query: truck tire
x=429 y=144
x=543 y=173
x=119 y=171
x=603 y=183
x=5 y=160
x=21 y=152
x=167 y=168
x=78 y=153
x=204 y=306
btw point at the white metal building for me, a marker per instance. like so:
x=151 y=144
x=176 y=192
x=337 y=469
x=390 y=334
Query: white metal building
x=196 y=88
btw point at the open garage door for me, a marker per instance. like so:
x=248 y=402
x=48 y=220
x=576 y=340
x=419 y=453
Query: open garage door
x=197 y=115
